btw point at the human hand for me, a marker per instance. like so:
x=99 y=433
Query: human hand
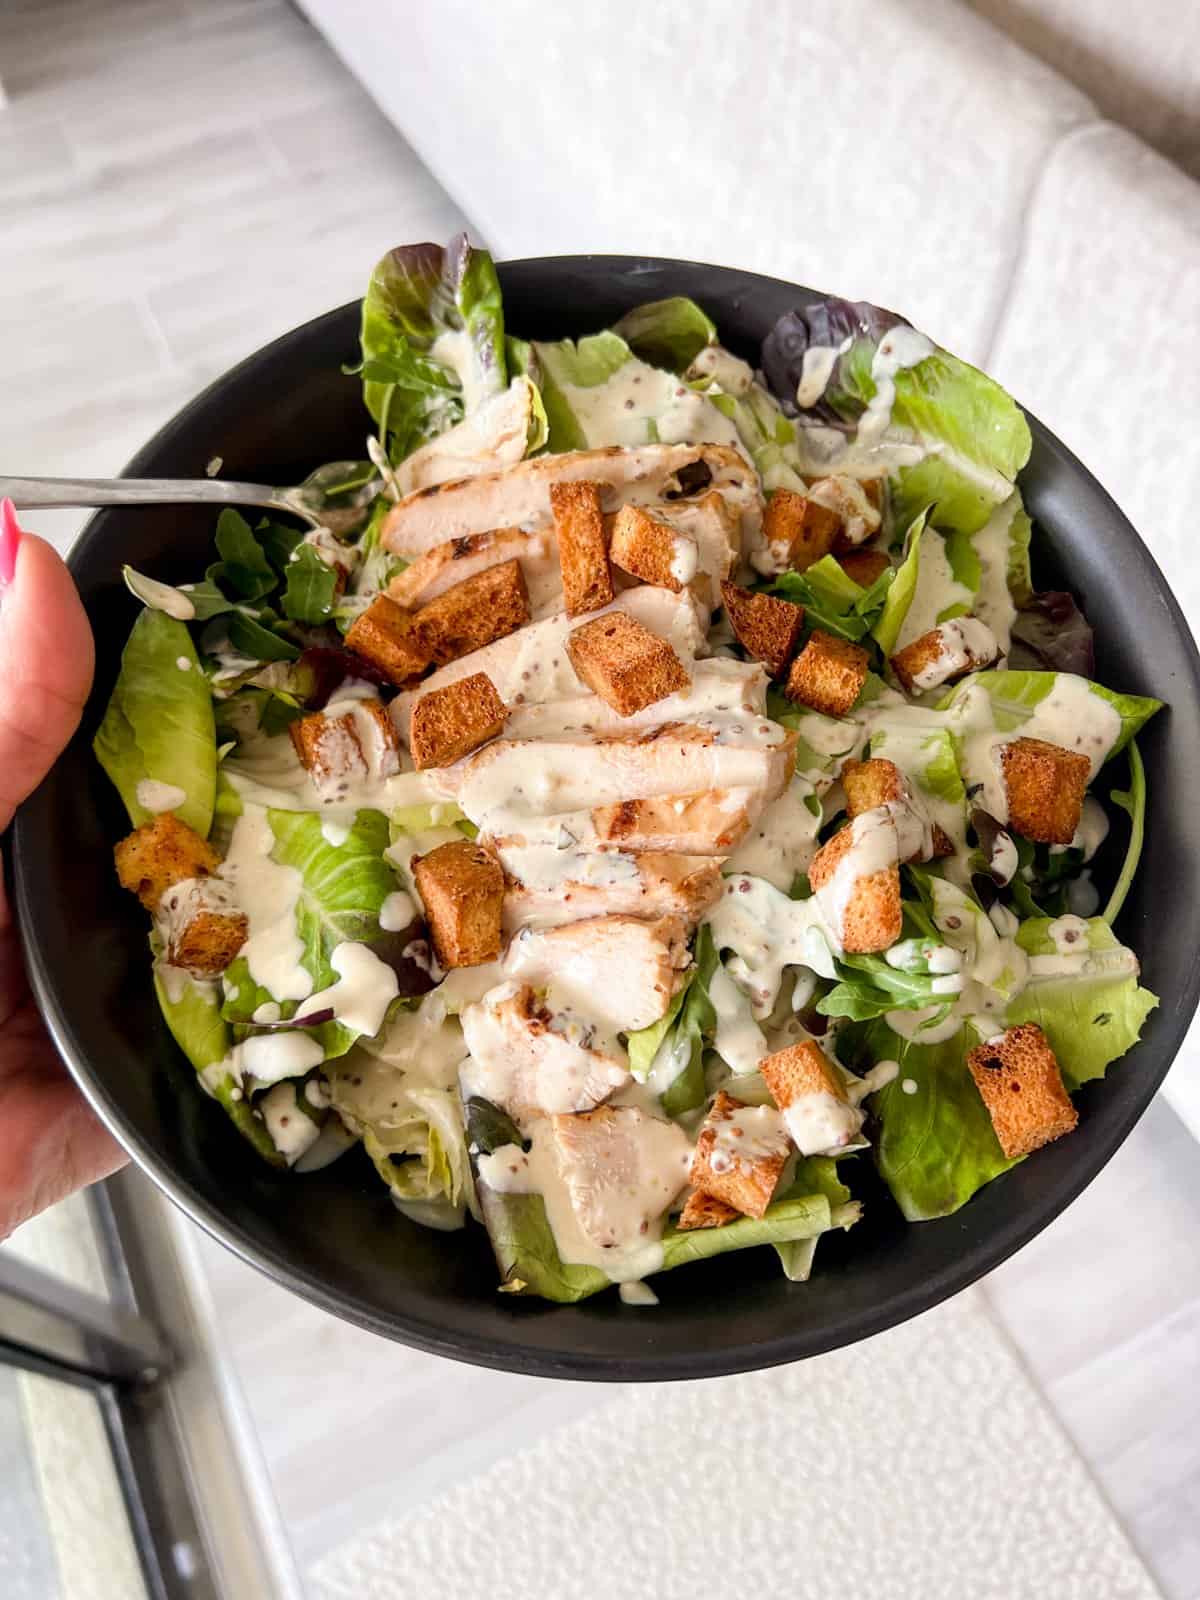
x=51 y=1142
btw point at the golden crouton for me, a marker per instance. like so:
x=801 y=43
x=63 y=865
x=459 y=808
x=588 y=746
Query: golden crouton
x=828 y=674
x=332 y=749
x=879 y=782
x=766 y=627
x=439 y=569
x=488 y=606
x=1018 y=1078
x=872 y=917
x=799 y=1070
x=737 y=1159
x=387 y=637
x=582 y=547
x=625 y=664
x=160 y=854
x=863 y=566
x=797 y=530
x=704 y=1211
x=1045 y=785
x=207 y=942
x=652 y=551
x=449 y=723
x=944 y=653
x=462 y=889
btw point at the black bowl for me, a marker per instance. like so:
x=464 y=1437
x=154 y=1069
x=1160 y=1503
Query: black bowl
x=334 y=1236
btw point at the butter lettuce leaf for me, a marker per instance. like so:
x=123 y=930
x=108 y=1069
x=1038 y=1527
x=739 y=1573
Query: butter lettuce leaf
x=1015 y=697
x=667 y=333
x=159 y=723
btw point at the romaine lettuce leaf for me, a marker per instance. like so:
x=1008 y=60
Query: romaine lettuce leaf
x=815 y=1175
x=1015 y=697
x=193 y=1014
x=1090 y=1019
x=671 y=1051
x=832 y=600
x=899 y=597
x=159 y=723
x=416 y=1142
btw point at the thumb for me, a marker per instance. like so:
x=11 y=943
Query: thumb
x=46 y=661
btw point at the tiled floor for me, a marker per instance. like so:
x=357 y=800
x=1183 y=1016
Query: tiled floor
x=179 y=181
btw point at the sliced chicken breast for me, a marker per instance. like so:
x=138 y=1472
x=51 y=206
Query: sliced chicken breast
x=506 y=783
x=620 y=971
x=459 y=559
x=536 y=1059
x=710 y=824
x=519 y=496
x=547 y=887
x=720 y=688
x=622 y=1170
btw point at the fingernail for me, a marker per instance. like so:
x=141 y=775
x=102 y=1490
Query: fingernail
x=10 y=538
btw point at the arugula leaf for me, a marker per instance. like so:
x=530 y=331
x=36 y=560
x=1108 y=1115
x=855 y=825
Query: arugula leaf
x=243 y=565
x=159 y=724
x=311 y=587
x=1133 y=802
x=249 y=637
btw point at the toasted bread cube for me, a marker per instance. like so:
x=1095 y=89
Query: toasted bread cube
x=797 y=530
x=653 y=551
x=449 y=723
x=863 y=566
x=160 y=854
x=446 y=564
x=857 y=514
x=704 y=1211
x=387 y=637
x=740 y=1152
x=1018 y=1078
x=474 y=613
x=879 y=782
x=766 y=627
x=462 y=889
x=202 y=928
x=809 y=1091
x=828 y=674
x=871 y=913
x=625 y=664
x=1046 y=786
x=582 y=547
x=338 y=750
x=944 y=653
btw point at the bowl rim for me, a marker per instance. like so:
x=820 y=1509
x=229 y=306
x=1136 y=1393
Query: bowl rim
x=515 y=1355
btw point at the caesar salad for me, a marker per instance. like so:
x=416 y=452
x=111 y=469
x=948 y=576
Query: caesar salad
x=653 y=789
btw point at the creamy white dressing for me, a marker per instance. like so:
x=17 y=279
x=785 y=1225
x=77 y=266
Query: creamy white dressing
x=685 y=559
x=453 y=349
x=268 y=893
x=1068 y=935
x=768 y=932
x=1091 y=832
x=816 y=369
x=640 y=404
x=160 y=596
x=156 y=796
x=637 y=1293
x=547 y=867
x=738 y=1040
x=848 y=500
x=937 y=590
x=965 y=644
x=746 y=1136
x=397 y=912
x=293 y=1131
x=901 y=347
x=270 y=1057
x=365 y=987
x=783 y=840
x=822 y=1122
x=730 y=374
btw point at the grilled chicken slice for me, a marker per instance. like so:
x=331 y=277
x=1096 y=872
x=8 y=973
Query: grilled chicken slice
x=512 y=780
x=710 y=824
x=620 y=971
x=520 y=495
x=546 y=887
x=720 y=688
x=532 y=1058
x=496 y=434
x=531 y=665
x=459 y=559
x=622 y=1170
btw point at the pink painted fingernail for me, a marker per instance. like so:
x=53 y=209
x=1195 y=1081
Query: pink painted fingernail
x=10 y=538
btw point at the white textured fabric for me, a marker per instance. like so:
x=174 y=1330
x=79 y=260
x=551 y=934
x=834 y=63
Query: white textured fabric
x=1101 y=332
x=1140 y=63
x=885 y=149
x=920 y=1464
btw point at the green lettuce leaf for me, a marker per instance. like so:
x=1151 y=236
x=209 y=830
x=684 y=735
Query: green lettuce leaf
x=1133 y=802
x=936 y=1145
x=432 y=340
x=832 y=600
x=675 y=1043
x=159 y=722
x=311 y=587
x=815 y=1175
x=1091 y=1020
x=342 y=891
x=413 y=1134
x=1016 y=695
x=244 y=566
x=529 y=1262
x=192 y=1013
x=667 y=333
x=899 y=597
